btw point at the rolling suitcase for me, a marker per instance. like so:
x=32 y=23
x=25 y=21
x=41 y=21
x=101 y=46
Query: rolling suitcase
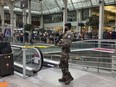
x=6 y=64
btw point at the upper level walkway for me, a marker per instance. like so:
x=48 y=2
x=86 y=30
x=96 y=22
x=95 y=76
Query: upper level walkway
x=49 y=78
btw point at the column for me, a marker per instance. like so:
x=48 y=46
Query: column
x=113 y=62
x=14 y=20
x=24 y=23
x=78 y=20
x=90 y=14
x=77 y=27
x=2 y=16
x=101 y=19
x=115 y=22
x=29 y=12
x=41 y=22
x=64 y=14
x=10 y=4
x=24 y=16
x=41 y=17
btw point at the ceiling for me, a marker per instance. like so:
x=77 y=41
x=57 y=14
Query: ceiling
x=110 y=8
x=53 y=6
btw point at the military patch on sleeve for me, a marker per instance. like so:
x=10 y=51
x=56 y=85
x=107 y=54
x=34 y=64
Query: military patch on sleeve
x=69 y=36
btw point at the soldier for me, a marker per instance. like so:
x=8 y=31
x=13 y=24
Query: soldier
x=65 y=44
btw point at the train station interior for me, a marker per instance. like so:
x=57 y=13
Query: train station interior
x=32 y=37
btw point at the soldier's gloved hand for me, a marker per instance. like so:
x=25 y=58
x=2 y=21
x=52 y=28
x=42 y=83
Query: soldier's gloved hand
x=60 y=42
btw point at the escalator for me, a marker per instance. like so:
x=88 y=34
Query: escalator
x=34 y=60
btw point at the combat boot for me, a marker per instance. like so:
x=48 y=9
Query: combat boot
x=68 y=80
x=62 y=79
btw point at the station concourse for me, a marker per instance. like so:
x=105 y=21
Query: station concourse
x=32 y=28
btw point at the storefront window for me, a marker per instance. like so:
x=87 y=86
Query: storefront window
x=85 y=14
x=109 y=16
x=7 y=16
x=19 y=18
x=53 y=18
x=47 y=18
x=72 y=16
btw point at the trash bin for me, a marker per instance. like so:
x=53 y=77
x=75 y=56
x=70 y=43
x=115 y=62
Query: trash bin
x=6 y=64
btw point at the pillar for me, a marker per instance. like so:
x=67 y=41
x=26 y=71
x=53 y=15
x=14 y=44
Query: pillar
x=29 y=12
x=24 y=23
x=41 y=22
x=64 y=14
x=24 y=17
x=14 y=20
x=10 y=4
x=90 y=14
x=79 y=20
x=113 y=62
x=2 y=16
x=115 y=22
x=41 y=17
x=101 y=19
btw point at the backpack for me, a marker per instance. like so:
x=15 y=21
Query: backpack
x=5 y=48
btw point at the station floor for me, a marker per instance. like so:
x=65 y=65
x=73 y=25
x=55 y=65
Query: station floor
x=49 y=78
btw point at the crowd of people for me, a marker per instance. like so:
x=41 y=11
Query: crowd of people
x=50 y=37
x=109 y=34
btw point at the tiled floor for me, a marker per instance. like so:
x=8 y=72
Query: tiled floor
x=49 y=78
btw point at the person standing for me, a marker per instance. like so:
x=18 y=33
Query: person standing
x=65 y=44
x=113 y=35
x=7 y=34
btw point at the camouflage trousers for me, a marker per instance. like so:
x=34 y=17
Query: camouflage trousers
x=65 y=67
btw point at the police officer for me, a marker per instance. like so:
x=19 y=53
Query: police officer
x=65 y=44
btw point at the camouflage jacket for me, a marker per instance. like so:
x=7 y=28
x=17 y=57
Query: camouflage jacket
x=66 y=41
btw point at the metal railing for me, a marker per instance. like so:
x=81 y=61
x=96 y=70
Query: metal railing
x=100 y=56
x=95 y=43
x=97 y=54
x=97 y=62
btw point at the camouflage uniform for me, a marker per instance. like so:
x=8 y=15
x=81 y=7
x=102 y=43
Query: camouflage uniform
x=65 y=44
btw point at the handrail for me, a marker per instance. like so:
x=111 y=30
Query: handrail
x=27 y=46
x=24 y=49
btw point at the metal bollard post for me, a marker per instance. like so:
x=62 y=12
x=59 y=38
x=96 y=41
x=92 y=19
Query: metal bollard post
x=98 y=61
x=24 y=63
x=113 y=65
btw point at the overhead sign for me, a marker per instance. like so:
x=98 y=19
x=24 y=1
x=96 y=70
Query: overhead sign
x=24 y=4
